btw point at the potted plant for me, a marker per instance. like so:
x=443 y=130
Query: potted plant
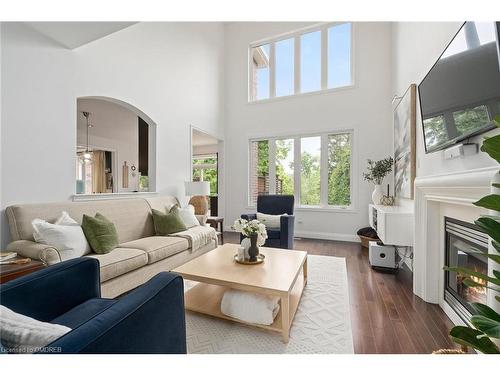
x=255 y=231
x=376 y=172
x=486 y=321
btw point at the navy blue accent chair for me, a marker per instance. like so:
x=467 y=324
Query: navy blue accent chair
x=150 y=319
x=277 y=205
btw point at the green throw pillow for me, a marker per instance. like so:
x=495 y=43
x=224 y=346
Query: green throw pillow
x=168 y=223
x=100 y=232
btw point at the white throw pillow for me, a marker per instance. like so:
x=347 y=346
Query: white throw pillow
x=65 y=219
x=22 y=334
x=270 y=221
x=187 y=216
x=66 y=235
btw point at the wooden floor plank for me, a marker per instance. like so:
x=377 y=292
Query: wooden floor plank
x=386 y=316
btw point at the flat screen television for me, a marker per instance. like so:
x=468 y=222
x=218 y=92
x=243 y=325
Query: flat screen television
x=460 y=95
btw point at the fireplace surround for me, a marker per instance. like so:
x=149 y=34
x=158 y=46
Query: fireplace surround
x=436 y=197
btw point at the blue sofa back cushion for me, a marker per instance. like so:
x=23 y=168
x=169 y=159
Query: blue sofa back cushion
x=273 y=234
x=275 y=204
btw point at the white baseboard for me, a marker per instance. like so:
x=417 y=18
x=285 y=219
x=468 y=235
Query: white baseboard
x=318 y=235
x=327 y=236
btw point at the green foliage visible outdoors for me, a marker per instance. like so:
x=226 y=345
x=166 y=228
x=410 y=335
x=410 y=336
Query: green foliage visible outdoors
x=263 y=158
x=310 y=184
x=339 y=173
x=284 y=148
x=339 y=170
x=206 y=174
x=486 y=321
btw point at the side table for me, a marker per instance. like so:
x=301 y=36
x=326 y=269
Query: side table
x=217 y=222
x=13 y=271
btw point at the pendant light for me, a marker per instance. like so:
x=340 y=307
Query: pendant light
x=87 y=155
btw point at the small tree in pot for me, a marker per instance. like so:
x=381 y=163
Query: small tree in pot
x=376 y=172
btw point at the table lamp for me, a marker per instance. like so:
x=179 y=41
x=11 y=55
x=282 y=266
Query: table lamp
x=198 y=191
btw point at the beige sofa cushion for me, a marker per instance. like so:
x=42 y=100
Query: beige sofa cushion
x=119 y=261
x=131 y=217
x=158 y=247
x=162 y=203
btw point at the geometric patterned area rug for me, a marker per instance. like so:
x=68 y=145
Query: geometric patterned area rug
x=322 y=322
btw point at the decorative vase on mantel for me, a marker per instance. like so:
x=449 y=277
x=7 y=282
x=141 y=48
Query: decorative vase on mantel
x=377 y=194
x=253 y=250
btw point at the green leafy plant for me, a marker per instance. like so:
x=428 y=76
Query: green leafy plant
x=377 y=170
x=486 y=321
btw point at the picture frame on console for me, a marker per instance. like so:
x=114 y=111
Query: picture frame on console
x=405 y=119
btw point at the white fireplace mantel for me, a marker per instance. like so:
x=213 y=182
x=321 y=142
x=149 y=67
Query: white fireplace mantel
x=432 y=193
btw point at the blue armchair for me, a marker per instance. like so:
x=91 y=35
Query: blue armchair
x=277 y=205
x=149 y=319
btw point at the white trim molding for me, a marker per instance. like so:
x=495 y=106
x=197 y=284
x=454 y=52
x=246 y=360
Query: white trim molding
x=108 y=196
x=326 y=236
x=315 y=235
x=459 y=189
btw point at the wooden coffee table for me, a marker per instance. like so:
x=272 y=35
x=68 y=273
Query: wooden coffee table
x=283 y=274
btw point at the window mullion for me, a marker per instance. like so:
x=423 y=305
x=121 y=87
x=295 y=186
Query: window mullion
x=324 y=171
x=272 y=70
x=324 y=58
x=296 y=170
x=296 y=64
x=272 y=166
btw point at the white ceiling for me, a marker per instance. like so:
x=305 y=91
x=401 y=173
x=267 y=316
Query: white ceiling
x=203 y=139
x=75 y=34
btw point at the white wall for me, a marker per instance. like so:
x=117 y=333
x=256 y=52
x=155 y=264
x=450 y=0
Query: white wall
x=115 y=128
x=416 y=47
x=173 y=72
x=205 y=149
x=365 y=108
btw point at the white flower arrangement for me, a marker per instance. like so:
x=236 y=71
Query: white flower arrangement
x=247 y=228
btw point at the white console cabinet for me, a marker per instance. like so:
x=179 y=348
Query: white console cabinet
x=394 y=224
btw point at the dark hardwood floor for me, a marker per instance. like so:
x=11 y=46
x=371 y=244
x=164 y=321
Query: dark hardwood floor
x=386 y=316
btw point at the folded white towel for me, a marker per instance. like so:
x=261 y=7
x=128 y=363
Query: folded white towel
x=250 y=307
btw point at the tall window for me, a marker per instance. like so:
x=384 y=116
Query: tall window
x=259 y=169
x=310 y=62
x=310 y=183
x=284 y=166
x=339 y=169
x=259 y=60
x=314 y=59
x=316 y=169
x=284 y=69
x=339 y=55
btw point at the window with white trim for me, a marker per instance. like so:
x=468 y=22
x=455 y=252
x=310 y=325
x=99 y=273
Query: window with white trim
x=316 y=169
x=309 y=60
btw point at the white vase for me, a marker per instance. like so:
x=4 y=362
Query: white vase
x=245 y=243
x=377 y=194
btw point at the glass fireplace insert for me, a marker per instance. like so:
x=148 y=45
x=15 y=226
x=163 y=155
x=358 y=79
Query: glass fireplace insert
x=465 y=246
